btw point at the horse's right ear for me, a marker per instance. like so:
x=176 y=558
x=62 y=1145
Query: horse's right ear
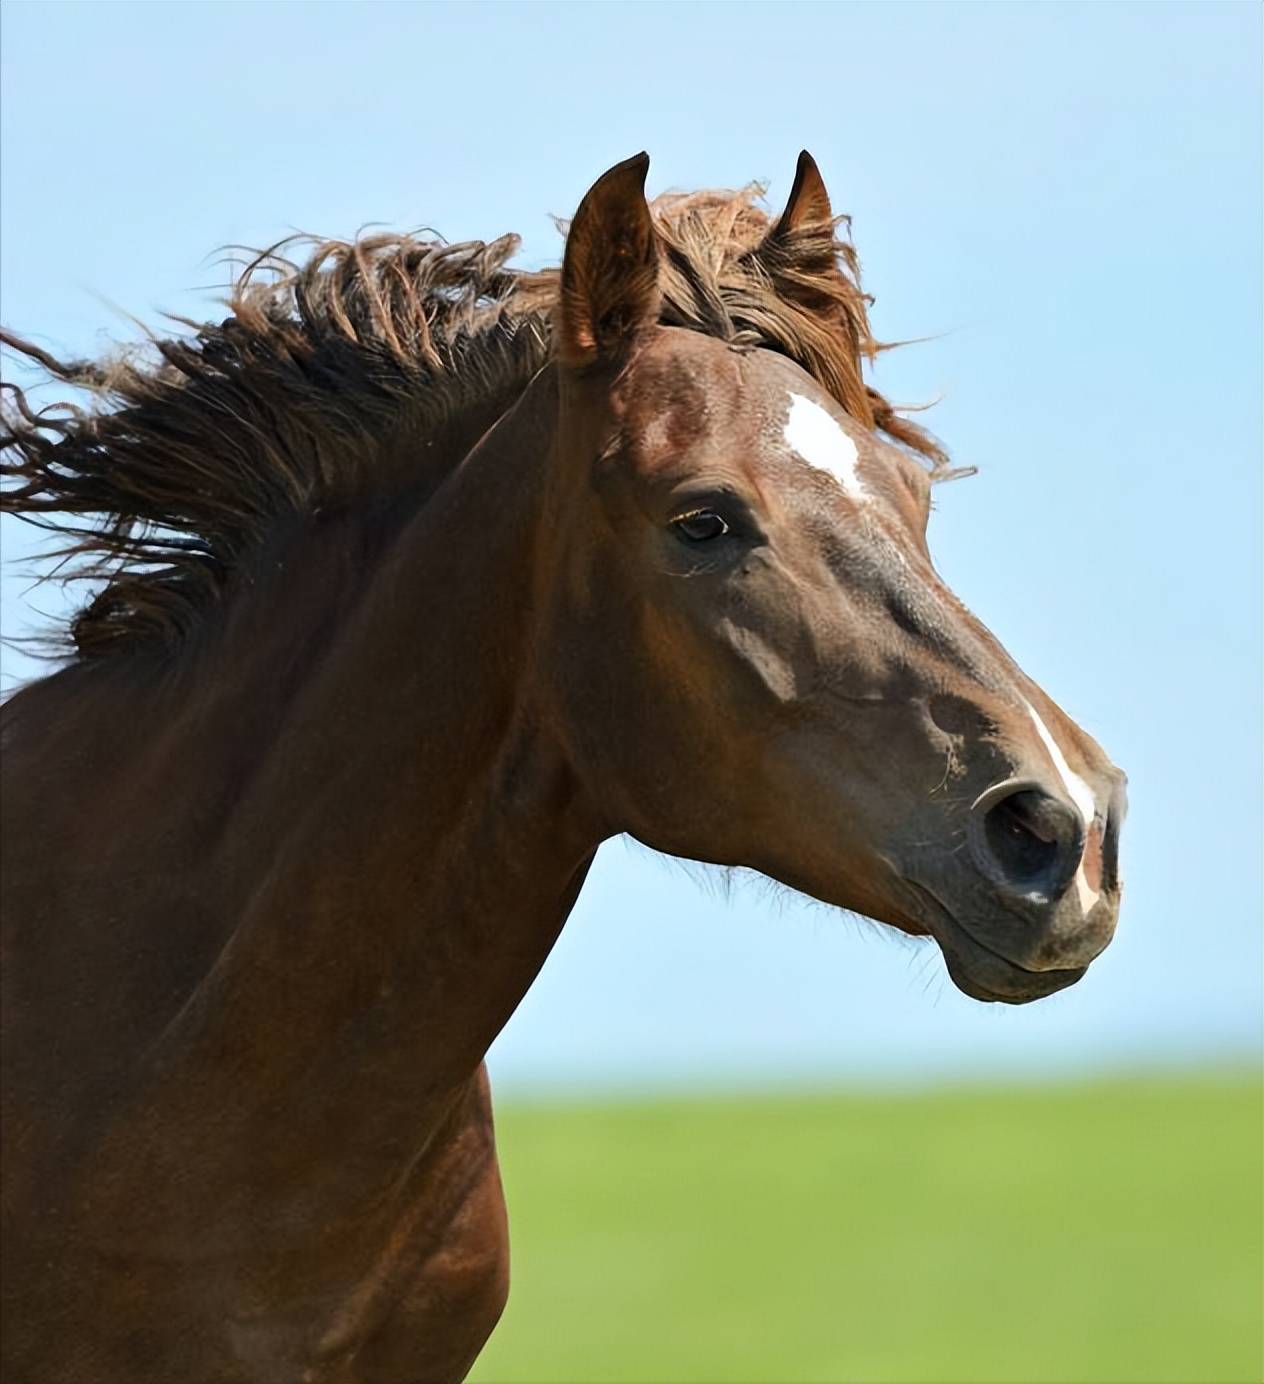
x=610 y=270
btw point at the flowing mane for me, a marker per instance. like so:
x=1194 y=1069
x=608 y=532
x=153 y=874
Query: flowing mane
x=191 y=453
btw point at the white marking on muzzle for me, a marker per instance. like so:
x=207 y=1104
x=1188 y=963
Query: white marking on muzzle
x=821 y=442
x=1080 y=794
x=1077 y=790
x=1084 y=891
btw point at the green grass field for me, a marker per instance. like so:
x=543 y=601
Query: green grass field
x=1098 y=1233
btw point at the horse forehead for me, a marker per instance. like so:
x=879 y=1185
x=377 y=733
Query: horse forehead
x=695 y=394
x=676 y=399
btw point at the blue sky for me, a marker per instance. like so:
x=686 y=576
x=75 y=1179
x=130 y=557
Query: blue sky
x=1065 y=197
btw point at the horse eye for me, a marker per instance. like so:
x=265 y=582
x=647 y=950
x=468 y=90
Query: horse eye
x=700 y=525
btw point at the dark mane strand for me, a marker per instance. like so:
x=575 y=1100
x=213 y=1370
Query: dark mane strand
x=193 y=451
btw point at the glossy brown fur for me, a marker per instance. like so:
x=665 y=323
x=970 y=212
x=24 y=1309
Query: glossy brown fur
x=289 y=841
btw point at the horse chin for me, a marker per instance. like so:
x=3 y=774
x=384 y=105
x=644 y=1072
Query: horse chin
x=1001 y=982
x=984 y=974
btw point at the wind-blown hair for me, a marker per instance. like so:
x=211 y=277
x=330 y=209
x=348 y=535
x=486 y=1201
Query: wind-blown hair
x=191 y=453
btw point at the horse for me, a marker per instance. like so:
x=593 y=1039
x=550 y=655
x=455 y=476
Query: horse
x=418 y=577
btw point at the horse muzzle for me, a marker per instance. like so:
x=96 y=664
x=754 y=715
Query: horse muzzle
x=1031 y=900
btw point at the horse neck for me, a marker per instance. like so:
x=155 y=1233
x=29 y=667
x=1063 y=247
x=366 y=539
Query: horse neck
x=416 y=837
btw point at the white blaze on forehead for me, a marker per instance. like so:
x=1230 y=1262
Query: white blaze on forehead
x=821 y=442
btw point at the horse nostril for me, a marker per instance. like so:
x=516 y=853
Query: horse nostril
x=1026 y=839
x=1115 y=811
x=1019 y=838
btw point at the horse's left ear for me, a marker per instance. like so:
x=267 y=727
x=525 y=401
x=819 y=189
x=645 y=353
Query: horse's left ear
x=808 y=205
x=610 y=270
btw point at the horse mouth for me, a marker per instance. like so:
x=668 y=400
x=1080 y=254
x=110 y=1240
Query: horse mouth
x=981 y=972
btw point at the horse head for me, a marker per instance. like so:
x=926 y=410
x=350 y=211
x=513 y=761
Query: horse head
x=751 y=655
